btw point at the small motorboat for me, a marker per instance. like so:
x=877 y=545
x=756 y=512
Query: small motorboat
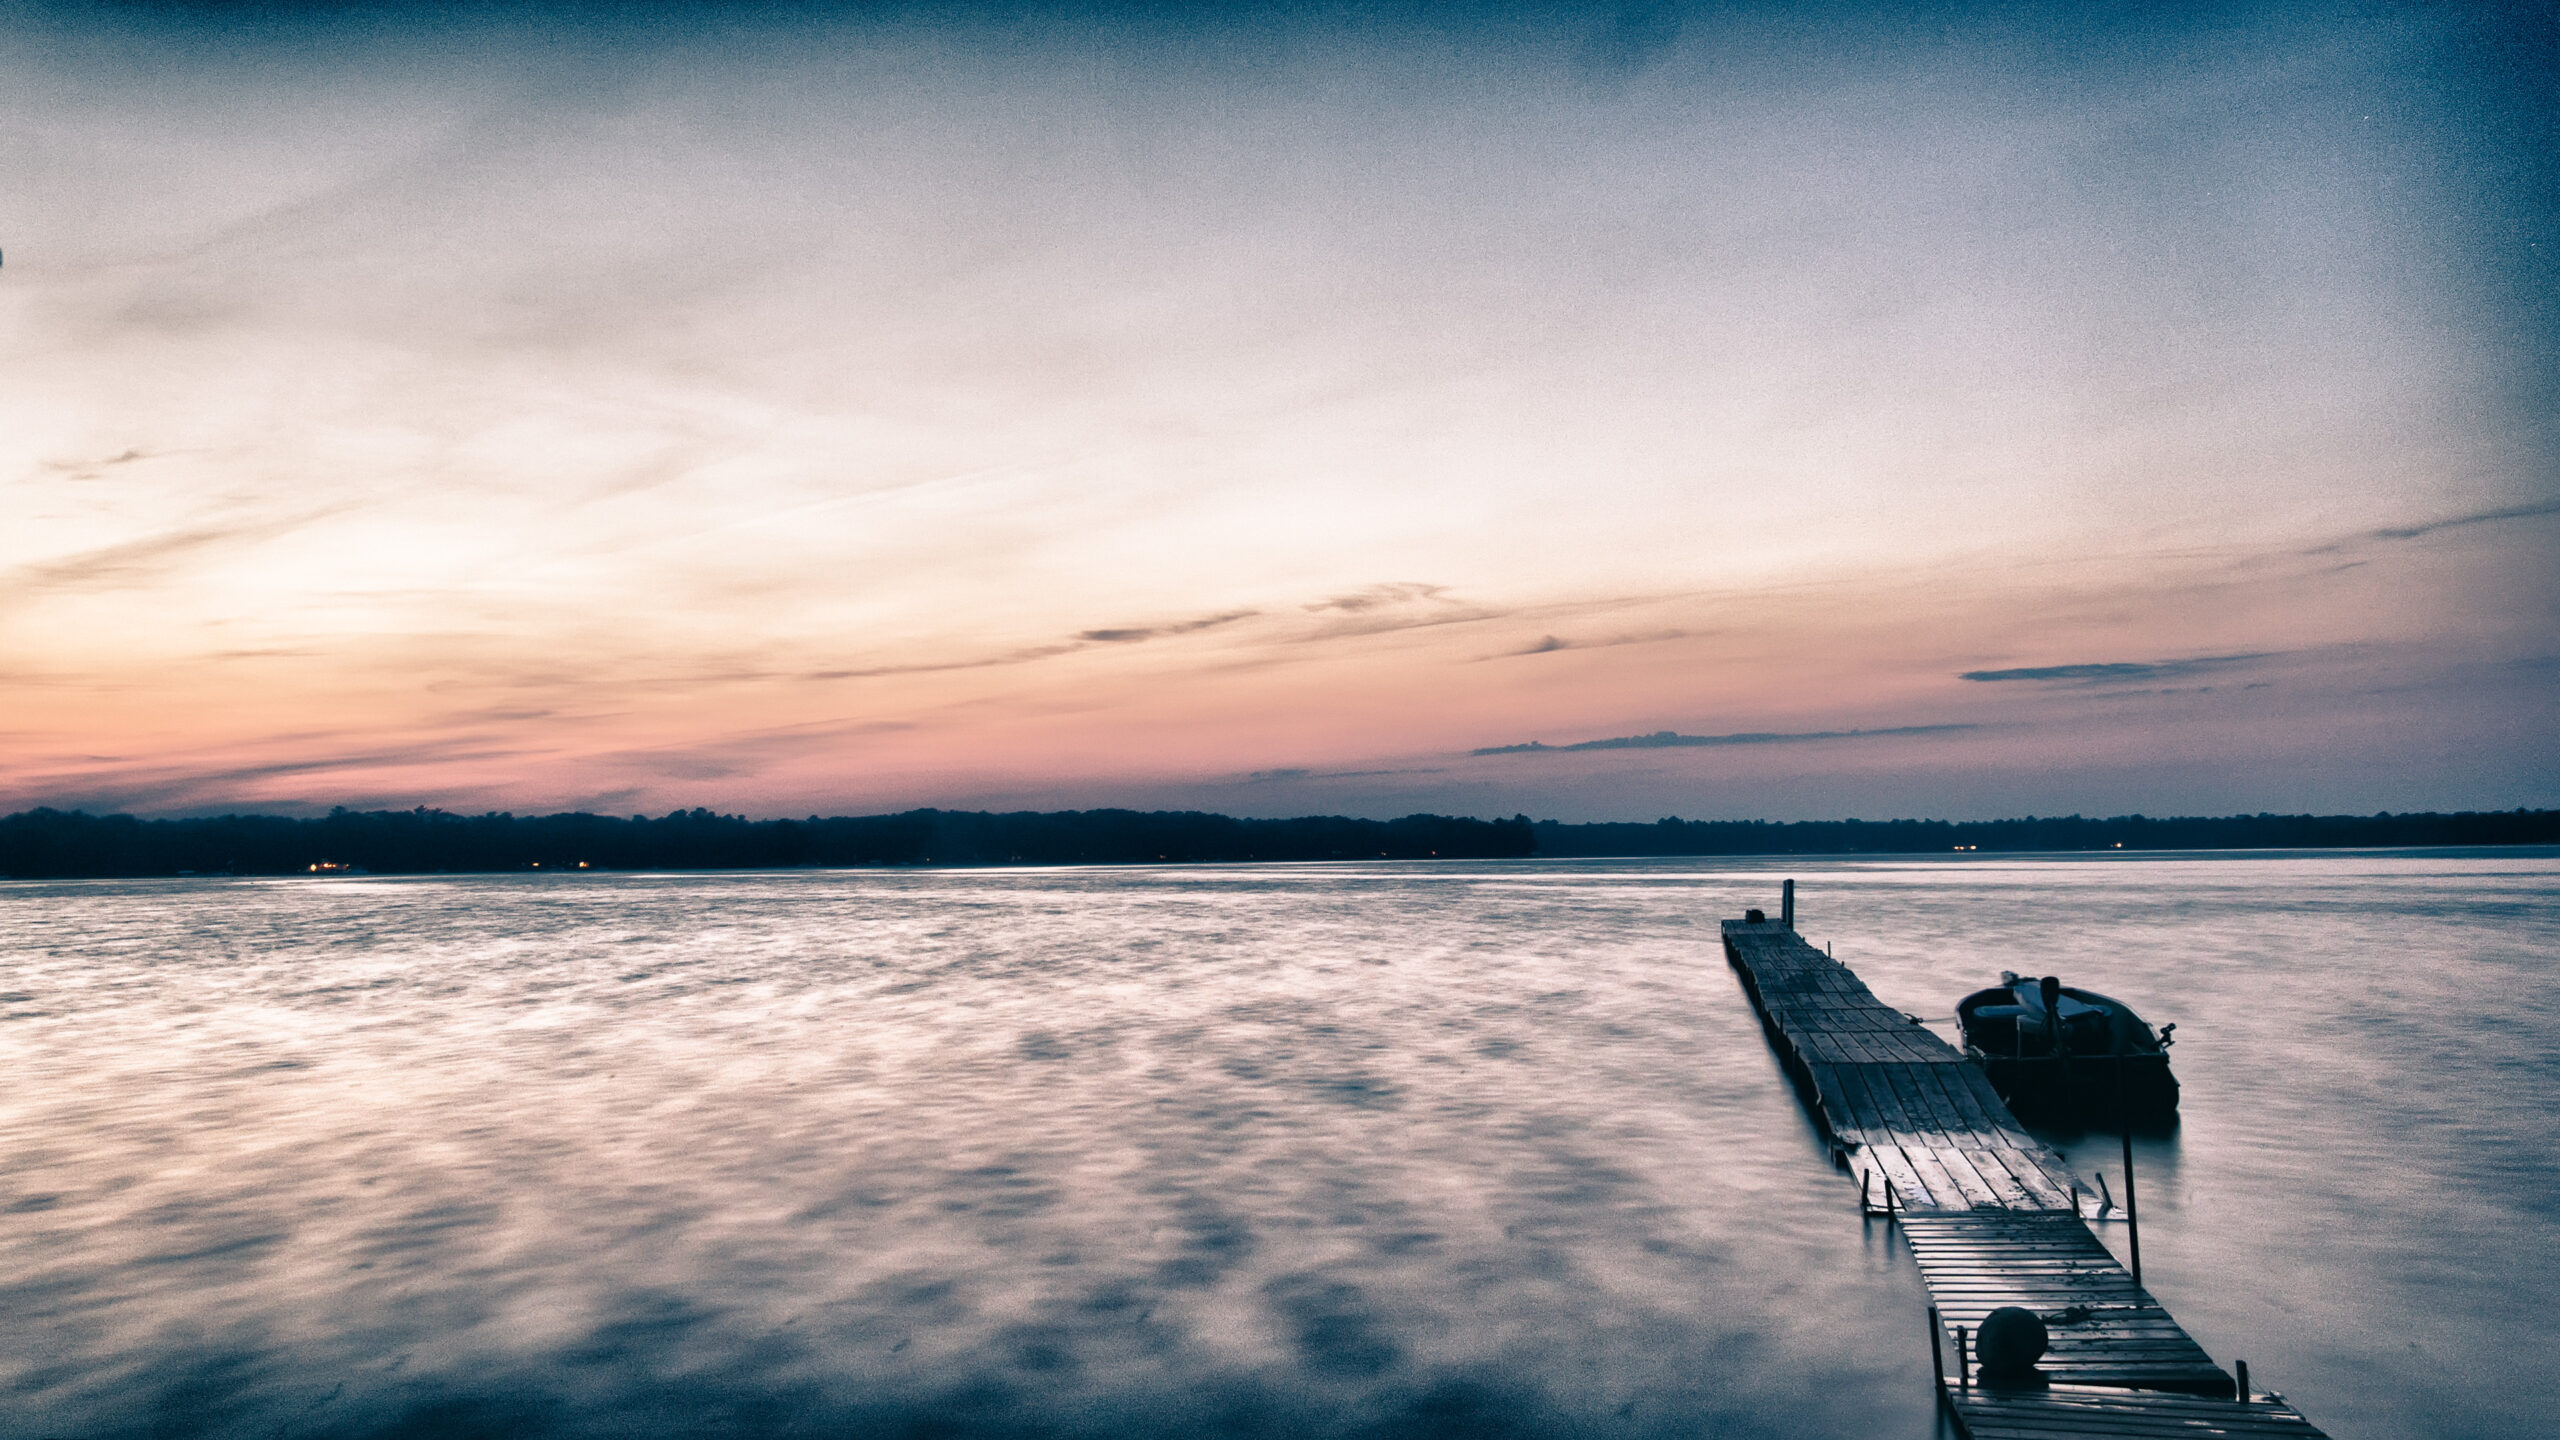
x=2057 y=1051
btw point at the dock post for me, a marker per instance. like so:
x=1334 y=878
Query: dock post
x=1865 y=1177
x=1787 y=904
x=1964 y=1361
x=1937 y=1355
x=2242 y=1366
x=2132 y=1220
x=2124 y=1117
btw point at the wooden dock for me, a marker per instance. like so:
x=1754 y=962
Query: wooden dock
x=1992 y=1215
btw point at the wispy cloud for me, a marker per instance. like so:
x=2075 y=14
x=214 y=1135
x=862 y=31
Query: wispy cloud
x=138 y=562
x=2119 y=671
x=1670 y=739
x=1375 y=597
x=167 y=789
x=1290 y=774
x=90 y=469
x=1550 y=644
x=1383 y=609
x=1031 y=654
x=1024 y=656
x=2532 y=511
x=2483 y=517
x=1154 y=632
x=132 y=560
x=747 y=752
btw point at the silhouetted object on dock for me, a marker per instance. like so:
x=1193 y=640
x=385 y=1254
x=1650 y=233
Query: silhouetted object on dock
x=2011 y=1341
x=2056 y=1051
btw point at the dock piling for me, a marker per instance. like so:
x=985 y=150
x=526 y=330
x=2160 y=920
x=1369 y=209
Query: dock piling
x=2132 y=1219
x=1937 y=1354
x=2240 y=1373
x=1787 y=904
x=1964 y=1361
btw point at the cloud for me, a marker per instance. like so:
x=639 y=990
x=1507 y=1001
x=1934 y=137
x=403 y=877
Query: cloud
x=2484 y=517
x=436 y=754
x=1382 y=609
x=1153 y=632
x=134 y=559
x=139 y=562
x=88 y=469
x=2113 y=672
x=1388 y=624
x=1670 y=739
x=2532 y=511
x=1083 y=640
x=746 y=752
x=935 y=667
x=1293 y=773
x=1375 y=597
x=1549 y=644
x=171 y=789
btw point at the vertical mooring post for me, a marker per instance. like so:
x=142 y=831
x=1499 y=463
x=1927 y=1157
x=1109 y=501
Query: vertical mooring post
x=1937 y=1354
x=2132 y=1218
x=1787 y=904
x=1964 y=1361
x=2242 y=1366
x=2124 y=1117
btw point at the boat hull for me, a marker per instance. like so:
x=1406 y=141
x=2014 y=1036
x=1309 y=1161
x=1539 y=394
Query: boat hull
x=2082 y=1087
x=2088 y=1057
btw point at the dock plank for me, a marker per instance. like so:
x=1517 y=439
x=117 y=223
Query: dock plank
x=1987 y=1413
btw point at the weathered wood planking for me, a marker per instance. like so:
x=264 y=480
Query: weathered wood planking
x=2101 y=1328
x=1991 y=1215
x=1897 y=1100
x=2042 y=1413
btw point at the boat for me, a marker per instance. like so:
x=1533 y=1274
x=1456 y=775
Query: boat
x=2057 y=1051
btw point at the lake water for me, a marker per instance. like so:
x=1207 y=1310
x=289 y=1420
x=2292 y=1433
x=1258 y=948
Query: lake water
x=1492 y=1149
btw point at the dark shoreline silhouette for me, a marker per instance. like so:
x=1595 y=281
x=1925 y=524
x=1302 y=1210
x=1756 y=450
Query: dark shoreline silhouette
x=57 y=844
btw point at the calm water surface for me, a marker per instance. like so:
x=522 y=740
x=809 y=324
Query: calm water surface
x=1483 y=1149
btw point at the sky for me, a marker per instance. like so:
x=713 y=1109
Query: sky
x=1987 y=411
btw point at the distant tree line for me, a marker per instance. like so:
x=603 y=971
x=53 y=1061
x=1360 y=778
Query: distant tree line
x=45 y=843
x=54 y=843
x=2067 y=832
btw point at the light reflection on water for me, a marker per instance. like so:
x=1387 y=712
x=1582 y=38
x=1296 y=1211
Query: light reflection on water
x=1375 y=1150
